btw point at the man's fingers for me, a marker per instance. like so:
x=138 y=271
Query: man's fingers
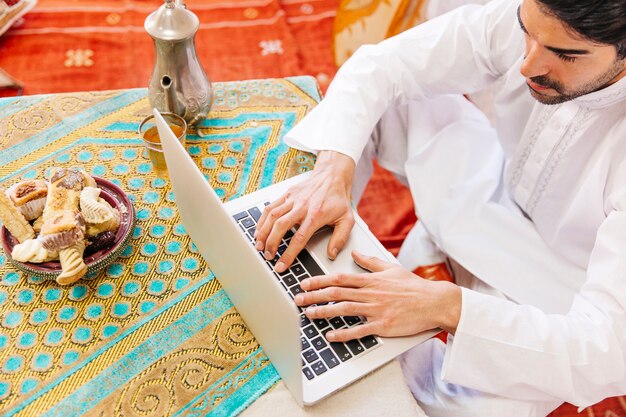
x=281 y=226
x=334 y=280
x=269 y=217
x=329 y=294
x=298 y=241
x=340 y=236
x=279 y=201
x=343 y=308
x=356 y=332
x=371 y=263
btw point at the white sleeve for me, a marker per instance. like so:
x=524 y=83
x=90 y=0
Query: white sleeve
x=519 y=351
x=460 y=52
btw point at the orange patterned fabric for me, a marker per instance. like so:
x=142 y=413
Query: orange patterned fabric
x=65 y=45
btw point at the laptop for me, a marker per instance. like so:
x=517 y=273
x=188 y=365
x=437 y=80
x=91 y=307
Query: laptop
x=310 y=366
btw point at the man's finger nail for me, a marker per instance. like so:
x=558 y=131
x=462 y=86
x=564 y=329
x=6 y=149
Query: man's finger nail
x=258 y=245
x=280 y=267
x=299 y=298
x=333 y=253
x=268 y=255
x=330 y=336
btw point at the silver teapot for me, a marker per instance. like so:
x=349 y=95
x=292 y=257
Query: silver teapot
x=178 y=83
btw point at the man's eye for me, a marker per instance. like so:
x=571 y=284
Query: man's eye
x=566 y=58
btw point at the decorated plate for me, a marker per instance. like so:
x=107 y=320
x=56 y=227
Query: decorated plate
x=95 y=260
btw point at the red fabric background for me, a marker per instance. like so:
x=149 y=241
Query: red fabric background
x=72 y=45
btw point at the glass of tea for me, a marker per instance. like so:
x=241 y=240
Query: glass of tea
x=150 y=134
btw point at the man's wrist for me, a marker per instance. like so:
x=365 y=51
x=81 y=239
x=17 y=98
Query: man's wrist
x=450 y=307
x=340 y=164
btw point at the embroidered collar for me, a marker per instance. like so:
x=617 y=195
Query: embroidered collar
x=604 y=98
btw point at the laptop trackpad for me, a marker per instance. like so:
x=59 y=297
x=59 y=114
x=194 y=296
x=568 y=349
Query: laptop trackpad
x=359 y=240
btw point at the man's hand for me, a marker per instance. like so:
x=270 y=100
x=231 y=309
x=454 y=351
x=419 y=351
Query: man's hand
x=323 y=199
x=394 y=301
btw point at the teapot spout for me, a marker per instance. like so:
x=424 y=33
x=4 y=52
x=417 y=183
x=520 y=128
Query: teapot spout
x=172 y=103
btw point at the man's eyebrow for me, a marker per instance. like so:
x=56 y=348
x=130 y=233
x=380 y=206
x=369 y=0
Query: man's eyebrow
x=519 y=19
x=554 y=49
x=567 y=51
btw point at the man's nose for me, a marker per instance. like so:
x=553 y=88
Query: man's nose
x=535 y=63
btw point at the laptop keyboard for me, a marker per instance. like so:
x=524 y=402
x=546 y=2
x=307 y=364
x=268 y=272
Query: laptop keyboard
x=318 y=355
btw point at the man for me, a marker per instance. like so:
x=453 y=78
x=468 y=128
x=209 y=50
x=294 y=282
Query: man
x=531 y=212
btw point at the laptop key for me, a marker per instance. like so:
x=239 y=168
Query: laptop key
x=247 y=222
x=289 y=280
x=325 y=330
x=318 y=368
x=307 y=372
x=240 y=216
x=310 y=356
x=309 y=263
x=329 y=358
x=337 y=322
x=296 y=289
x=304 y=320
x=305 y=343
x=256 y=213
x=310 y=332
x=352 y=320
x=355 y=347
x=369 y=341
x=297 y=269
x=341 y=351
x=319 y=343
x=320 y=323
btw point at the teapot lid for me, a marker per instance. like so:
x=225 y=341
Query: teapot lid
x=172 y=22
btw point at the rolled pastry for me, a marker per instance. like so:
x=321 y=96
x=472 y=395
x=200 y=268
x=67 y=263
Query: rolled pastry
x=72 y=263
x=32 y=250
x=13 y=219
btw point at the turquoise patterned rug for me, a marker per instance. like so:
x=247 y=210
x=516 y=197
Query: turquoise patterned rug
x=153 y=334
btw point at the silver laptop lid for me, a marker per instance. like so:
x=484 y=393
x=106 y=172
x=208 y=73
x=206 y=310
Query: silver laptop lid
x=257 y=295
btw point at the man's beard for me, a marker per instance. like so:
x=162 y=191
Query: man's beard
x=563 y=95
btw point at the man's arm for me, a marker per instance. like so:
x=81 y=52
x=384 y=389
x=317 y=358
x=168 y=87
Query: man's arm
x=460 y=52
x=394 y=301
x=456 y=53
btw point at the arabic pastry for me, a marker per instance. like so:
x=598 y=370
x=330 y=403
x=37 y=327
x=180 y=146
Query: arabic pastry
x=98 y=214
x=63 y=225
x=29 y=197
x=89 y=181
x=37 y=224
x=13 y=219
x=72 y=264
x=32 y=250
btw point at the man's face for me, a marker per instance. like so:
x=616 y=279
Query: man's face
x=559 y=64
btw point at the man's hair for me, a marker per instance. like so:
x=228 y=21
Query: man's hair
x=600 y=21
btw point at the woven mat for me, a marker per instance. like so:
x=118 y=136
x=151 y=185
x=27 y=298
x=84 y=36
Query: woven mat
x=153 y=334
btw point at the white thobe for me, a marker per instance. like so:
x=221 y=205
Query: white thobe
x=539 y=214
